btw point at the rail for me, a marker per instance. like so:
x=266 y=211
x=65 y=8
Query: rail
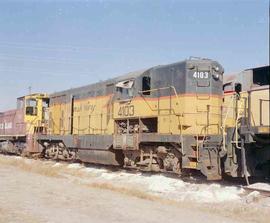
x=264 y=192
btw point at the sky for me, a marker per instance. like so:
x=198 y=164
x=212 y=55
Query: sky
x=56 y=45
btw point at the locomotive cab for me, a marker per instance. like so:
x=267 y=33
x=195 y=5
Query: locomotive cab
x=18 y=127
x=173 y=119
x=35 y=110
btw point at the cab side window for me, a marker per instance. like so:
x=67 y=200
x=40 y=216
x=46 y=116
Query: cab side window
x=261 y=76
x=146 y=85
x=31 y=107
x=125 y=89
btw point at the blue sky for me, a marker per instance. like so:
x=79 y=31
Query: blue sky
x=56 y=45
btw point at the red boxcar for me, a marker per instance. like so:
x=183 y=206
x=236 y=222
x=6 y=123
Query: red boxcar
x=12 y=123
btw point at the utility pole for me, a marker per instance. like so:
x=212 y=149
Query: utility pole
x=30 y=90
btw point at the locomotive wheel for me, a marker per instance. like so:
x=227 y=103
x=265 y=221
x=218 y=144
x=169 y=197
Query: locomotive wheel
x=158 y=159
x=57 y=152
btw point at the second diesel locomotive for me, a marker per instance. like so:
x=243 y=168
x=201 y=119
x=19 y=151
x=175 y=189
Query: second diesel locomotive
x=247 y=124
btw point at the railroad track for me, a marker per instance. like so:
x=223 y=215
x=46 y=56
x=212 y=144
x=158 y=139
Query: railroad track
x=263 y=192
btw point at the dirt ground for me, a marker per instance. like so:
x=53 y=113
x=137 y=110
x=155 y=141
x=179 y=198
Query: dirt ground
x=29 y=193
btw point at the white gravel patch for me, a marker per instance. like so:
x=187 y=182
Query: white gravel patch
x=160 y=185
x=57 y=165
x=74 y=166
x=157 y=184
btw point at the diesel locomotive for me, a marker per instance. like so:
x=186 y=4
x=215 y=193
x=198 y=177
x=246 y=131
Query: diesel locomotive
x=247 y=124
x=168 y=118
x=19 y=127
x=164 y=118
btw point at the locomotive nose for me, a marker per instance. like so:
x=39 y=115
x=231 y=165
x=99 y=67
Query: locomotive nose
x=217 y=72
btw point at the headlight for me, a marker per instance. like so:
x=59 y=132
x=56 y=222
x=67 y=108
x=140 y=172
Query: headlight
x=216 y=76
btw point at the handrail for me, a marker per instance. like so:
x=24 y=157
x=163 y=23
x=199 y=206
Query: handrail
x=236 y=125
x=223 y=125
x=178 y=104
x=164 y=88
x=57 y=127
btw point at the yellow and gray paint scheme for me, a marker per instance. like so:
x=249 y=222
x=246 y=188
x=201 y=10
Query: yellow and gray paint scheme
x=165 y=118
x=246 y=123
